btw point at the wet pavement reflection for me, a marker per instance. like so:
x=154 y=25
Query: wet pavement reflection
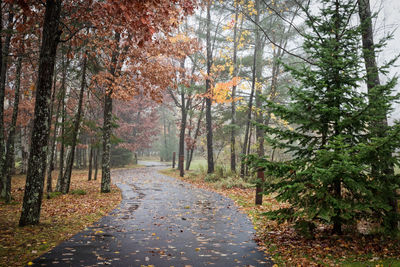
x=162 y=222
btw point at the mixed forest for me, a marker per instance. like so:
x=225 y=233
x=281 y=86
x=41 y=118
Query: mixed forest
x=285 y=97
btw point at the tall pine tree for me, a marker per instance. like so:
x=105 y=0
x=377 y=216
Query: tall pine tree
x=328 y=177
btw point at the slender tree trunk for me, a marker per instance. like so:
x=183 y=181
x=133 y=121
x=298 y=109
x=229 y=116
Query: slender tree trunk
x=3 y=77
x=84 y=156
x=378 y=128
x=210 y=153
x=52 y=142
x=256 y=55
x=233 y=107
x=53 y=154
x=184 y=109
x=196 y=135
x=96 y=164
x=65 y=65
x=37 y=158
x=166 y=152
x=11 y=136
x=107 y=126
x=77 y=122
x=60 y=181
x=181 y=156
x=259 y=116
x=90 y=163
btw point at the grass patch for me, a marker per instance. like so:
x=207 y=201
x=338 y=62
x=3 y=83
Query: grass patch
x=62 y=216
x=79 y=192
x=286 y=246
x=54 y=194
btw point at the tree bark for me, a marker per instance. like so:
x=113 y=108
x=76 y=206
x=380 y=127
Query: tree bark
x=210 y=152
x=196 y=135
x=37 y=158
x=107 y=125
x=184 y=110
x=259 y=116
x=233 y=106
x=3 y=77
x=52 y=143
x=90 y=163
x=11 y=136
x=77 y=123
x=378 y=128
x=60 y=181
x=257 y=54
x=96 y=164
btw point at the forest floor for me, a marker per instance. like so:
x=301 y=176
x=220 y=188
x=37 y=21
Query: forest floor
x=287 y=247
x=62 y=216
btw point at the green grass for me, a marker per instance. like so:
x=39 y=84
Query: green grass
x=80 y=192
x=380 y=263
x=198 y=165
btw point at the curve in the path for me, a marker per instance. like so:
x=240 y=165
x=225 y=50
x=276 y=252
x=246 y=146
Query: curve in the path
x=162 y=222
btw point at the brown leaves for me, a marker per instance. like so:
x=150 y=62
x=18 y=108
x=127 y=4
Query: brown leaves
x=61 y=217
x=289 y=249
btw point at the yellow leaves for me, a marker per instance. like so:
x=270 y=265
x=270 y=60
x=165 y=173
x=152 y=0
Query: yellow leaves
x=231 y=69
x=181 y=37
x=221 y=91
x=217 y=68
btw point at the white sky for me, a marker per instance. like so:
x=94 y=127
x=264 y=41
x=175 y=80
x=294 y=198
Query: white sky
x=387 y=22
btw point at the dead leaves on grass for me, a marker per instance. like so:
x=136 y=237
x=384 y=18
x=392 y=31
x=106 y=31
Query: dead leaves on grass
x=289 y=248
x=61 y=217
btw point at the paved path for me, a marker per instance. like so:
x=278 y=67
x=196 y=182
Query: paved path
x=162 y=222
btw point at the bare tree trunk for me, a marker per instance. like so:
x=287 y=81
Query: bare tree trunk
x=196 y=135
x=77 y=123
x=96 y=163
x=90 y=163
x=65 y=65
x=11 y=136
x=52 y=143
x=107 y=126
x=37 y=158
x=3 y=77
x=210 y=153
x=60 y=181
x=259 y=117
x=233 y=107
x=257 y=54
x=184 y=109
x=378 y=128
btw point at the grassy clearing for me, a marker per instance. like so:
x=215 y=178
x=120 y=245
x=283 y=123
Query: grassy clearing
x=62 y=216
x=285 y=245
x=198 y=164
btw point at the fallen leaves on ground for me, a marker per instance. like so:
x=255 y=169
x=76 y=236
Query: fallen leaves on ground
x=288 y=248
x=61 y=217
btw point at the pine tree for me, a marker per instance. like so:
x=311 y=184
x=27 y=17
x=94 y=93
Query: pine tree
x=328 y=177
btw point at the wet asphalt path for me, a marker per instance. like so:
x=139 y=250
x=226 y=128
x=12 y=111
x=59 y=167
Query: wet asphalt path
x=162 y=222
